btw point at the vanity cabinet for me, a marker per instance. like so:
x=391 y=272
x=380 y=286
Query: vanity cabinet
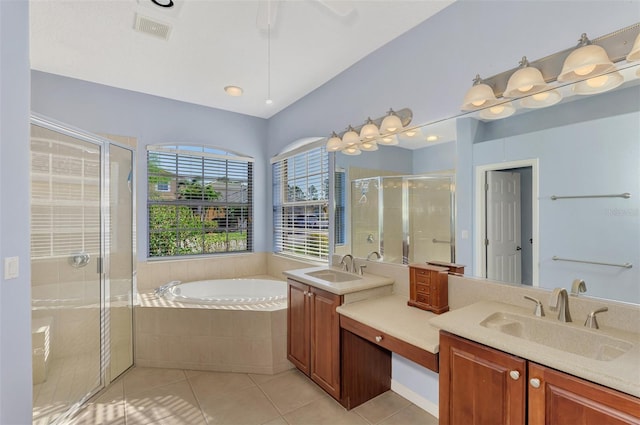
x=479 y=384
x=558 y=398
x=313 y=334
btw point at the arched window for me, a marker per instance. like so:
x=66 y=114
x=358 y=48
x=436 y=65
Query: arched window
x=199 y=201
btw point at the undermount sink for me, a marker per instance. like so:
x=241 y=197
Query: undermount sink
x=561 y=336
x=333 y=276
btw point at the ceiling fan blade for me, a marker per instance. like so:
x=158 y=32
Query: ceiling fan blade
x=267 y=14
x=340 y=7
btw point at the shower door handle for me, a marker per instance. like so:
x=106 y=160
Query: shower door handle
x=79 y=259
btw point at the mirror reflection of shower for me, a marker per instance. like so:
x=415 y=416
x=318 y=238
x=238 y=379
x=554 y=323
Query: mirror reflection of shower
x=407 y=219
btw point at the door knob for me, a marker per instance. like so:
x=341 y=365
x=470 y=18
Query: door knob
x=518 y=248
x=378 y=338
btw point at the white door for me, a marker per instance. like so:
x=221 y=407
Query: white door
x=504 y=247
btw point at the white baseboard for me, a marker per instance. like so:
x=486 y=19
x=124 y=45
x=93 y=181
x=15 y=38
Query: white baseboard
x=415 y=398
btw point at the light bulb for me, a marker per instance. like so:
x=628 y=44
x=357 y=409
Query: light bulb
x=526 y=88
x=497 y=109
x=585 y=70
x=541 y=96
x=596 y=82
x=478 y=102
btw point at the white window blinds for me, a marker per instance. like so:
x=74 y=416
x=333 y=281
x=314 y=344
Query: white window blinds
x=300 y=204
x=199 y=201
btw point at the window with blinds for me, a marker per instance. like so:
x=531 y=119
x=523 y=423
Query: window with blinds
x=340 y=208
x=300 y=204
x=199 y=201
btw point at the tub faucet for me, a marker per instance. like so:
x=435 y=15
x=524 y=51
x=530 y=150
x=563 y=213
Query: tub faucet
x=162 y=290
x=559 y=301
x=344 y=264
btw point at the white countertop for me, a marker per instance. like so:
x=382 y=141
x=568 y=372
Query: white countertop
x=393 y=316
x=621 y=373
x=359 y=283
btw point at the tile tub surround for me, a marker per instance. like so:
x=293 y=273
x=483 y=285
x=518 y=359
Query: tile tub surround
x=249 y=339
x=153 y=273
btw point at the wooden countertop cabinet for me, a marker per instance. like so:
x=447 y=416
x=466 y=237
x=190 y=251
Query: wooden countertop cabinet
x=429 y=287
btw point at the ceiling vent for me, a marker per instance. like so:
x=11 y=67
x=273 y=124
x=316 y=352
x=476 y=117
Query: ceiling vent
x=152 y=27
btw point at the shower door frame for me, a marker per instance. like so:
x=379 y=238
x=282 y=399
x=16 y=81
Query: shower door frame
x=104 y=261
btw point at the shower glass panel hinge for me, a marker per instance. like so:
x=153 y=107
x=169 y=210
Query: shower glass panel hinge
x=99 y=262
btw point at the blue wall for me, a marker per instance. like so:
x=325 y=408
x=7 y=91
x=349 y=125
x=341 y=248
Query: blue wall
x=15 y=294
x=154 y=120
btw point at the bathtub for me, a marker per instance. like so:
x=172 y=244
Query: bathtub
x=228 y=291
x=224 y=325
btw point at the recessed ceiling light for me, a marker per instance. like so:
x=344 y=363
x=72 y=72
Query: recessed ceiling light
x=163 y=3
x=269 y=102
x=233 y=91
x=432 y=138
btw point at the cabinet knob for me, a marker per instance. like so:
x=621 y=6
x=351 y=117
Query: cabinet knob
x=535 y=382
x=515 y=375
x=378 y=338
x=306 y=293
x=309 y=294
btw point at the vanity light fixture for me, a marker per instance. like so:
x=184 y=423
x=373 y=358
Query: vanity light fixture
x=586 y=61
x=480 y=95
x=590 y=67
x=374 y=132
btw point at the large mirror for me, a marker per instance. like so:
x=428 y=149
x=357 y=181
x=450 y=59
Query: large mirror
x=543 y=197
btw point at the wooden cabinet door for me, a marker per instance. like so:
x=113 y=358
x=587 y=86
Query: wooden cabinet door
x=299 y=326
x=561 y=399
x=477 y=386
x=325 y=341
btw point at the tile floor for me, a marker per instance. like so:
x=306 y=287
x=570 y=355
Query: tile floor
x=176 y=397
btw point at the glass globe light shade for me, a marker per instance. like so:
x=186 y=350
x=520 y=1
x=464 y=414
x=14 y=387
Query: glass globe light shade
x=541 y=100
x=351 y=150
x=599 y=84
x=350 y=137
x=390 y=123
x=585 y=62
x=478 y=96
x=502 y=110
x=368 y=146
x=369 y=131
x=389 y=140
x=525 y=81
x=334 y=143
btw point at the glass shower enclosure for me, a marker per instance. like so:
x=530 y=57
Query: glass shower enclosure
x=407 y=219
x=82 y=266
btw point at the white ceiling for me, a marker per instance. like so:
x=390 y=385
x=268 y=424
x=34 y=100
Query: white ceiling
x=215 y=43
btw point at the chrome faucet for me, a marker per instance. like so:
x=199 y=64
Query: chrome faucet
x=577 y=287
x=344 y=264
x=161 y=291
x=591 y=321
x=376 y=253
x=559 y=301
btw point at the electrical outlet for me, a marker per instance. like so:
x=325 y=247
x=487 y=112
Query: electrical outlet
x=11 y=267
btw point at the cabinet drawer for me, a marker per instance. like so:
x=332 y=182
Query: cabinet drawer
x=423 y=298
x=409 y=351
x=423 y=289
